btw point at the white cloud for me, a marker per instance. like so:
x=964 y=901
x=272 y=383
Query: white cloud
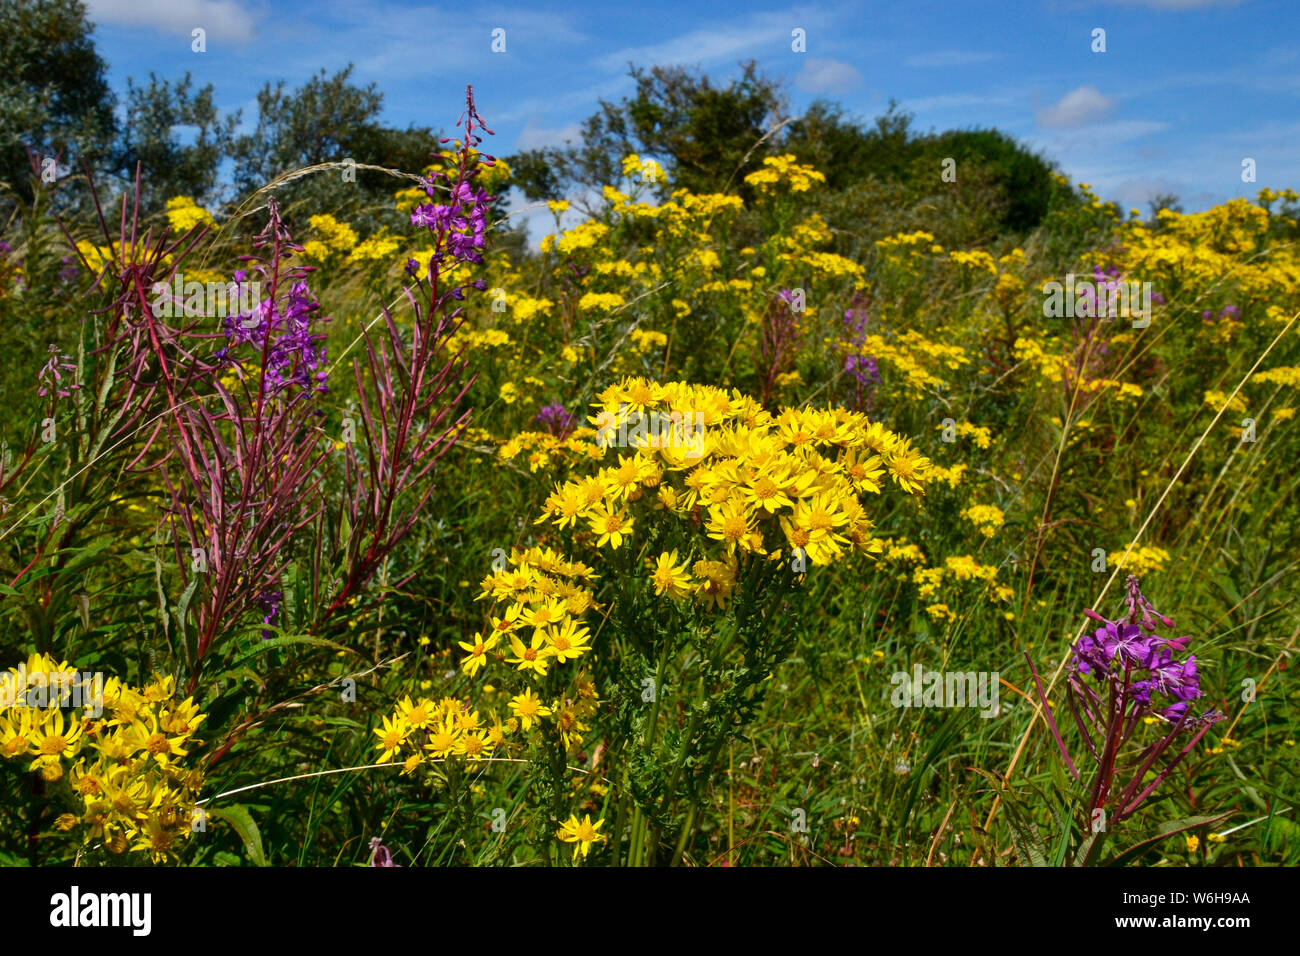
x=221 y=19
x=393 y=48
x=710 y=45
x=827 y=76
x=536 y=137
x=942 y=58
x=1080 y=107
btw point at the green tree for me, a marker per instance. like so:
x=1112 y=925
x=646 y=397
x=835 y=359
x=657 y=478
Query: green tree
x=1019 y=181
x=168 y=166
x=847 y=152
x=705 y=136
x=54 y=98
x=328 y=120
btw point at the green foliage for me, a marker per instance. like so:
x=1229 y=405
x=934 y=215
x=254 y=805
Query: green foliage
x=169 y=167
x=54 y=97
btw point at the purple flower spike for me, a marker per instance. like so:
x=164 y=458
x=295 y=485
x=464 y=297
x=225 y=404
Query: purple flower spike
x=50 y=378
x=379 y=854
x=1124 y=675
x=556 y=420
x=858 y=365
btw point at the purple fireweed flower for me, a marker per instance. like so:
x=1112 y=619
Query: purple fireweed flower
x=863 y=368
x=50 y=379
x=295 y=352
x=283 y=327
x=1121 y=675
x=858 y=364
x=556 y=420
x=1131 y=658
x=855 y=324
x=269 y=601
x=380 y=855
x=463 y=219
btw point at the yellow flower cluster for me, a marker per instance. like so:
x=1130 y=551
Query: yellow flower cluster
x=647 y=171
x=583 y=236
x=976 y=259
x=981 y=436
x=896 y=248
x=1223 y=245
x=917 y=357
x=952 y=477
x=905 y=239
x=421 y=729
x=602 y=301
x=1216 y=400
x=750 y=482
x=540 y=595
x=183 y=214
x=785 y=169
x=380 y=247
x=645 y=340
x=987 y=518
x=1141 y=560
x=901 y=551
x=1288 y=376
x=544 y=449
x=1052 y=370
x=335 y=237
x=119 y=750
x=955 y=571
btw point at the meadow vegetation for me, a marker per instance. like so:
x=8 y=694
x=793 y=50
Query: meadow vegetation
x=457 y=549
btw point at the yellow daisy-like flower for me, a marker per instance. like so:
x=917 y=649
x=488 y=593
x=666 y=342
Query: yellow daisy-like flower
x=766 y=492
x=908 y=468
x=477 y=654
x=443 y=740
x=391 y=736
x=582 y=834
x=729 y=524
x=411 y=763
x=534 y=657
x=475 y=745
x=543 y=615
x=418 y=715
x=50 y=740
x=670 y=577
x=611 y=526
x=864 y=469
x=568 y=641
x=528 y=709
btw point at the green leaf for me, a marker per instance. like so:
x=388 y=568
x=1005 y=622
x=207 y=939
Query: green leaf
x=1029 y=845
x=1162 y=832
x=191 y=641
x=268 y=645
x=239 y=818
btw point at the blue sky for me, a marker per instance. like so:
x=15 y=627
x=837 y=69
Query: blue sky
x=1185 y=91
